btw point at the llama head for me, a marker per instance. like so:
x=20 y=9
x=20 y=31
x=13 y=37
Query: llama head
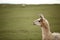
x=41 y=21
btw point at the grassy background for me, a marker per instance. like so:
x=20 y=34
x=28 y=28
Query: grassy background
x=16 y=21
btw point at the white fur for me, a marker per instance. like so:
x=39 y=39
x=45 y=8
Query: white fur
x=36 y=22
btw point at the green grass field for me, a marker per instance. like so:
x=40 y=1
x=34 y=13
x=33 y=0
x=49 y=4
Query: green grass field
x=16 y=21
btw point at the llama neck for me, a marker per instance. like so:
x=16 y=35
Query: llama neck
x=45 y=31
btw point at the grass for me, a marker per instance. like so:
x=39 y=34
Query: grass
x=16 y=21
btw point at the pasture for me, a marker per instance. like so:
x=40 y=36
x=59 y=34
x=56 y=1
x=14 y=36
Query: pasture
x=16 y=21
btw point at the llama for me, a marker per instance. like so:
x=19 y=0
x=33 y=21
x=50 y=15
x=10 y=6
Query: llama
x=46 y=33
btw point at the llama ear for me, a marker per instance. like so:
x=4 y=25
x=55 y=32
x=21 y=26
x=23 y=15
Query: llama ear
x=41 y=16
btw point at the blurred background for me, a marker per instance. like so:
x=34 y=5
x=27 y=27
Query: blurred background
x=16 y=20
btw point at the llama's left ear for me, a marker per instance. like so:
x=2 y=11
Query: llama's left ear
x=41 y=16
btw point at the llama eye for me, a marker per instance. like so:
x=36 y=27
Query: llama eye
x=39 y=21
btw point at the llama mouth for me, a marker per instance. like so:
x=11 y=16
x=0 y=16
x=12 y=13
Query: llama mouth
x=34 y=23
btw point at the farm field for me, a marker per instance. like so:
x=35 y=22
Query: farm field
x=16 y=21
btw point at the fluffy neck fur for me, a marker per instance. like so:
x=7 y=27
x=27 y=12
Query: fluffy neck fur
x=46 y=34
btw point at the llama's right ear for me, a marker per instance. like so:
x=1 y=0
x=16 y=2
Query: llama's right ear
x=41 y=16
